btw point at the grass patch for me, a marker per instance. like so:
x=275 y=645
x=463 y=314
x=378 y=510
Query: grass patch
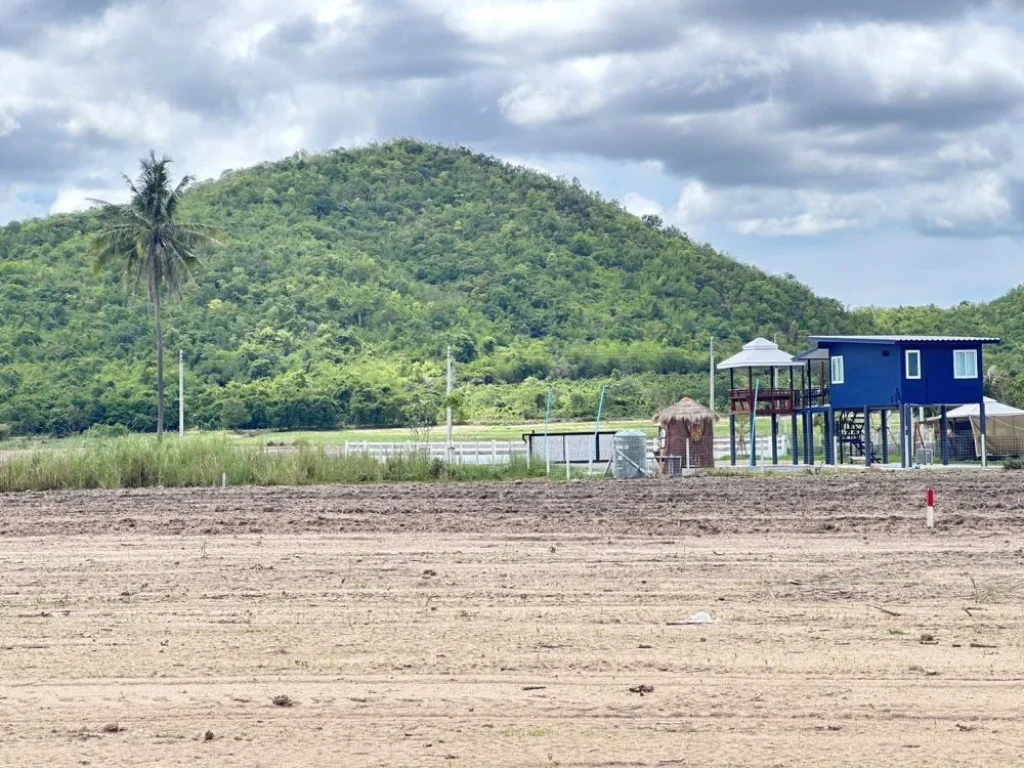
x=142 y=461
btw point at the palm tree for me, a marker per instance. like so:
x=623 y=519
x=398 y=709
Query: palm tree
x=146 y=243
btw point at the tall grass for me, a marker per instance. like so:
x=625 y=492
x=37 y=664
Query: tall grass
x=140 y=461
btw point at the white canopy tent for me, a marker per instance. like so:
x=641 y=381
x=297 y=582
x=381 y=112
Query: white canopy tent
x=1004 y=425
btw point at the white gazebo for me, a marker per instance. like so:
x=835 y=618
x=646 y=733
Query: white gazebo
x=753 y=400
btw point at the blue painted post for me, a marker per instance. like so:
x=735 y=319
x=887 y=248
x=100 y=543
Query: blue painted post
x=775 y=440
x=792 y=403
x=867 y=436
x=796 y=444
x=775 y=419
x=944 y=435
x=829 y=438
x=885 y=436
x=904 y=436
x=809 y=437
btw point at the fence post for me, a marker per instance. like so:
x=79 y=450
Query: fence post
x=687 y=453
x=494 y=451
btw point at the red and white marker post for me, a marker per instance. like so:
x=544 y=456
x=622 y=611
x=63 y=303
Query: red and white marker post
x=930 y=519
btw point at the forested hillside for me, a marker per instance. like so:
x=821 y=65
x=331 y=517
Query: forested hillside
x=345 y=276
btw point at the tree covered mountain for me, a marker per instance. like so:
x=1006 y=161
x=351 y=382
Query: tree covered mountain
x=346 y=275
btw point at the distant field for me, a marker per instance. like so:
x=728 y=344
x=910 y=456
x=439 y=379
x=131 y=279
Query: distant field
x=462 y=432
x=467 y=432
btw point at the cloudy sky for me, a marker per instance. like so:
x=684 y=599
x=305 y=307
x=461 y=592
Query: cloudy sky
x=873 y=148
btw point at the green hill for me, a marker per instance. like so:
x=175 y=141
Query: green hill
x=347 y=274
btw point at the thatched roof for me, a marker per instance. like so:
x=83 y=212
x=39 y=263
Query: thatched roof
x=686 y=410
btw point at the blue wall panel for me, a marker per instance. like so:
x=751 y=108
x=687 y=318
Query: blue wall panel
x=872 y=375
x=875 y=375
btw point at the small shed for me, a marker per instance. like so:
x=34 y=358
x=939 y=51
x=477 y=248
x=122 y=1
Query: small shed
x=686 y=438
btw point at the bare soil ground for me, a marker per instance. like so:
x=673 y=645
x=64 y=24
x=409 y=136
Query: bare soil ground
x=472 y=625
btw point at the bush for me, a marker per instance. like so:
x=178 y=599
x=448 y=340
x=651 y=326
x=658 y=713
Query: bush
x=1013 y=464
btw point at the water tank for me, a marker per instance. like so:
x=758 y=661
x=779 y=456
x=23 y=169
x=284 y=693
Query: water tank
x=630 y=447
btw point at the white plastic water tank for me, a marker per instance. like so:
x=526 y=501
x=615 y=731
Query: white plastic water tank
x=630 y=448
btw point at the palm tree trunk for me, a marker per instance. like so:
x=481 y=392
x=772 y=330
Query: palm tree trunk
x=159 y=367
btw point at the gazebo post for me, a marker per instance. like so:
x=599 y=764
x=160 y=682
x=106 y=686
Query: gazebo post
x=809 y=420
x=732 y=418
x=775 y=420
x=752 y=404
x=803 y=411
x=754 y=417
x=792 y=402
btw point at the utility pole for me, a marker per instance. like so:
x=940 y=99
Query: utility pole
x=711 y=376
x=181 y=393
x=448 y=390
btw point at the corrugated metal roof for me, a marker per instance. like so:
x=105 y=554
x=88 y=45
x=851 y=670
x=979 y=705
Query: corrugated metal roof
x=818 y=353
x=910 y=339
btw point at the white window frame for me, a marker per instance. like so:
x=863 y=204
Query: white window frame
x=972 y=354
x=840 y=368
x=906 y=361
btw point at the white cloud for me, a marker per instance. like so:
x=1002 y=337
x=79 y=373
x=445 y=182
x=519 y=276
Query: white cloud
x=722 y=117
x=639 y=205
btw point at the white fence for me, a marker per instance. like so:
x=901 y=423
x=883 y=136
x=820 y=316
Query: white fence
x=463 y=452
x=505 y=451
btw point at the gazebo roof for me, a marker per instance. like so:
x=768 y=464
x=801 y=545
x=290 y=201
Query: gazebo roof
x=760 y=353
x=686 y=410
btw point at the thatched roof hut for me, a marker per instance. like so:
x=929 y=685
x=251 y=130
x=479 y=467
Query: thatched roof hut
x=687 y=410
x=687 y=433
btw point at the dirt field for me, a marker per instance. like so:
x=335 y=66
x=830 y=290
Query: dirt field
x=506 y=624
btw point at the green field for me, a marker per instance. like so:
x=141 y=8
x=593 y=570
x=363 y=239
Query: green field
x=461 y=432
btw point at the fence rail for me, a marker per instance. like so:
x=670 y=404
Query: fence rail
x=505 y=451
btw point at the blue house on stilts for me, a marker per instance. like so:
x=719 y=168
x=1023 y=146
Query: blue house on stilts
x=886 y=374
x=846 y=379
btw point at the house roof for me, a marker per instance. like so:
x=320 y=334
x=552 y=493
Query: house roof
x=760 y=353
x=910 y=339
x=818 y=353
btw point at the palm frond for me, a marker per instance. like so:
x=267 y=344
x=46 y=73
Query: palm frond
x=142 y=237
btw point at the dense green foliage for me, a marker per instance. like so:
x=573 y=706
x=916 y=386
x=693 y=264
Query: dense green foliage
x=345 y=276
x=1004 y=318
x=140 y=461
